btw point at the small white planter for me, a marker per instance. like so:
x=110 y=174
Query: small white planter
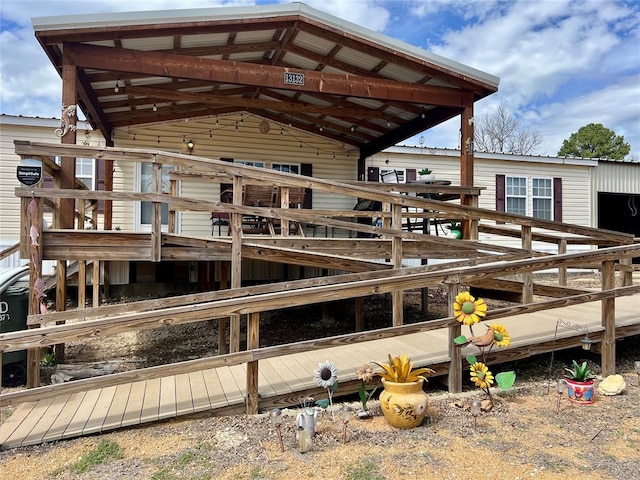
x=427 y=178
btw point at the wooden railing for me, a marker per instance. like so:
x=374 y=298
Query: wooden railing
x=483 y=261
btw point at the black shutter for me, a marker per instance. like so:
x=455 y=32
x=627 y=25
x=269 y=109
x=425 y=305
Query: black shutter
x=557 y=199
x=500 y=194
x=306 y=169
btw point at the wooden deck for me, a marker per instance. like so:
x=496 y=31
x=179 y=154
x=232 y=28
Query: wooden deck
x=281 y=379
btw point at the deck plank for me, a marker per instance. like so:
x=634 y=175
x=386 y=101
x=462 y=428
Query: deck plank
x=100 y=411
x=49 y=418
x=277 y=383
x=199 y=392
x=82 y=414
x=117 y=408
x=184 y=399
x=21 y=435
x=167 y=407
x=61 y=423
x=231 y=389
x=133 y=409
x=217 y=398
x=15 y=420
x=151 y=405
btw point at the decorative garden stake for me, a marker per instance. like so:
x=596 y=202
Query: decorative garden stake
x=326 y=376
x=304 y=440
x=365 y=375
x=346 y=416
x=276 y=421
x=561 y=386
x=476 y=408
x=470 y=311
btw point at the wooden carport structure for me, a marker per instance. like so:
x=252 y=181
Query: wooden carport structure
x=290 y=64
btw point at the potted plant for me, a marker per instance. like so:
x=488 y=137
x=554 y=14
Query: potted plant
x=427 y=175
x=455 y=229
x=403 y=402
x=580 y=384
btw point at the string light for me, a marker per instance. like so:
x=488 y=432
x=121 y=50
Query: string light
x=155 y=107
x=117 y=88
x=235 y=124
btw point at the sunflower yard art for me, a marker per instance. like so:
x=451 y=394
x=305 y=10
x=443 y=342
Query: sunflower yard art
x=470 y=311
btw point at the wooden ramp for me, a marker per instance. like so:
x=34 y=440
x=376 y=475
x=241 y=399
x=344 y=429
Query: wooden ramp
x=281 y=379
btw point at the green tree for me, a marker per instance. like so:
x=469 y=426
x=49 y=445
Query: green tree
x=595 y=141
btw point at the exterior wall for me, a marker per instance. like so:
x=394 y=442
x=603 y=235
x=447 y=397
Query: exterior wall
x=25 y=129
x=445 y=163
x=222 y=140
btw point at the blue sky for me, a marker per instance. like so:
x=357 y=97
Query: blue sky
x=562 y=64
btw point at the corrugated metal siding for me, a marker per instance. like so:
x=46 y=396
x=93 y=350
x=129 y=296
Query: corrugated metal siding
x=617 y=177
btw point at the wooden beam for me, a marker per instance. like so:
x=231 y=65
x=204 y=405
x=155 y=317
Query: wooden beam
x=225 y=71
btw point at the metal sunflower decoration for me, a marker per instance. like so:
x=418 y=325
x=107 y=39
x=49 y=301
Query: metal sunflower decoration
x=326 y=376
x=469 y=311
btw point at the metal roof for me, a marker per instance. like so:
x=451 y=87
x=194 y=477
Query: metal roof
x=288 y=63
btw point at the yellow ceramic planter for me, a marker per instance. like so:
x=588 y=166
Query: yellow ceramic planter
x=404 y=405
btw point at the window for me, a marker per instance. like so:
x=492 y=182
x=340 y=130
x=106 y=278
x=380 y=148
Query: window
x=542 y=196
x=286 y=167
x=517 y=195
x=535 y=197
x=146 y=185
x=251 y=164
x=85 y=172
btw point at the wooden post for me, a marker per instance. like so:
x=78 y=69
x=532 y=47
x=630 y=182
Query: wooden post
x=156 y=216
x=236 y=262
x=359 y=314
x=608 y=307
x=253 y=342
x=527 y=287
x=454 y=380
x=95 y=282
x=82 y=264
x=467 y=164
x=35 y=272
x=223 y=323
x=396 y=258
x=562 y=269
x=66 y=178
x=284 y=203
x=626 y=271
x=173 y=191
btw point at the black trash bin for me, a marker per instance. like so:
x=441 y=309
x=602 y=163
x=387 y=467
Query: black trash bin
x=14 y=308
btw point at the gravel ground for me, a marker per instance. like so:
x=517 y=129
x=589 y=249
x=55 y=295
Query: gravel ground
x=522 y=437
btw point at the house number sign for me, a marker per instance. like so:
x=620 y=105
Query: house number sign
x=293 y=78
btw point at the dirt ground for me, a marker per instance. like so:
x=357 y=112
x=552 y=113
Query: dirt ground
x=522 y=437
